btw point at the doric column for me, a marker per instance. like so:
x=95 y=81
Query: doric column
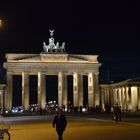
x=138 y=98
x=123 y=98
x=129 y=99
x=91 y=96
x=134 y=98
x=102 y=94
x=75 y=89
x=41 y=90
x=60 y=87
x=62 y=90
x=107 y=96
x=80 y=89
x=8 y=93
x=1 y=98
x=111 y=96
x=117 y=92
x=115 y=96
x=96 y=88
x=119 y=96
x=65 y=94
x=25 y=90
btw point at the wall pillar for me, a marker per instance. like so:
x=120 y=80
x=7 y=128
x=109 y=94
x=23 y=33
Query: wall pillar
x=96 y=88
x=41 y=90
x=102 y=94
x=62 y=90
x=91 y=96
x=107 y=96
x=1 y=99
x=115 y=96
x=75 y=90
x=123 y=98
x=65 y=93
x=138 y=98
x=25 y=91
x=119 y=96
x=8 y=93
x=80 y=88
x=134 y=98
x=129 y=99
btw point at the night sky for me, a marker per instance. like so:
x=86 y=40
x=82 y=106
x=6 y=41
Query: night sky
x=106 y=28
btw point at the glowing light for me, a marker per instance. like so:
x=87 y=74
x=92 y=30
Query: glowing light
x=6 y=111
x=84 y=110
x=0 y=23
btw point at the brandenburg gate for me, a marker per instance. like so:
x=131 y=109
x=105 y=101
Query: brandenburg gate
x=53 y=61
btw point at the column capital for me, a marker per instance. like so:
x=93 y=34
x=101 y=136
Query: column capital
x=96 y=73
x=24 y=73
x=41 y=72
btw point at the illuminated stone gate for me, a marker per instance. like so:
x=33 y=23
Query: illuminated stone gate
x=53 y=61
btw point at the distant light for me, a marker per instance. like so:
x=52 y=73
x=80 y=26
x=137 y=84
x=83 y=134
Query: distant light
x=0 y=23
x=83 y=109
x=6 y=111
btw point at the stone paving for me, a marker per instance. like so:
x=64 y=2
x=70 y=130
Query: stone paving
x=80 y=127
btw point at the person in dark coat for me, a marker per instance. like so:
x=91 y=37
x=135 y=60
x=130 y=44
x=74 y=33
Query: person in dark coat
x=117 y=112
x=60 y=122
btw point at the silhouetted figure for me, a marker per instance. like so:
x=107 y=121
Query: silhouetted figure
x=81 y=109
x=60 y=122
x=117 y=112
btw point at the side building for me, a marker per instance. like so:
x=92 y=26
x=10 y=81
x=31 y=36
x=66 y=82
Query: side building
x=125 y=93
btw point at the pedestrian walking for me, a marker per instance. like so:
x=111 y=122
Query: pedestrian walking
x=60 y=122
x=117 y=112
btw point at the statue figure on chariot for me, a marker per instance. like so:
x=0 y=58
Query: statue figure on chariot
x=52 y=47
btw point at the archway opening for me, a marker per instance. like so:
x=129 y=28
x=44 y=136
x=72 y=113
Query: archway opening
x=85 y=90
x=17 y=91
x=32 y=89
x=51 y=88
x=70 y=89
